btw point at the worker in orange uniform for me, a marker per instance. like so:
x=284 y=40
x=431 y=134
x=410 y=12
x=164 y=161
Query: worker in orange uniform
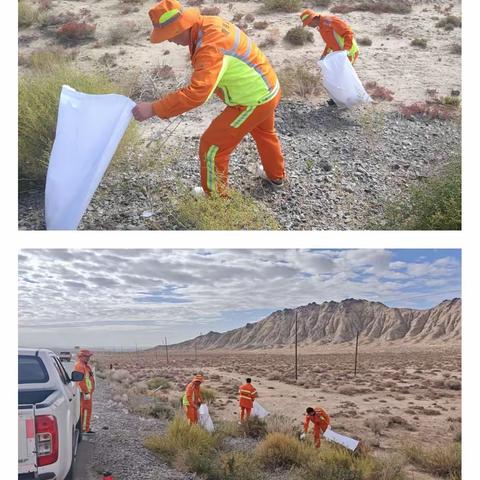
x=320 y=420
x=87 y=387
x=228 y=63
x=192 y=399
x=336 y=34
x=247 y=395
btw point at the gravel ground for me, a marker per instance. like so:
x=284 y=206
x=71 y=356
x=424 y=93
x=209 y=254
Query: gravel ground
x=118 y=442
x=342 y=167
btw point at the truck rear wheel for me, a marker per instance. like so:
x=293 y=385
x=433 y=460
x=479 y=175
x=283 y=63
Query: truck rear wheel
x=78 y=427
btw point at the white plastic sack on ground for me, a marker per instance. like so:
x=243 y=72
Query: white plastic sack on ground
x=204 y=418
x=341 y=80
x=335 y=437
x=259 y=411
x=89 y=129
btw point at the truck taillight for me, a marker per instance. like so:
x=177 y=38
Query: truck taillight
x=47 y=439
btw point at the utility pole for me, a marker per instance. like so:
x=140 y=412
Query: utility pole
x=195 y=346
x=296 y=345
x=356 y=355
x=166 y=348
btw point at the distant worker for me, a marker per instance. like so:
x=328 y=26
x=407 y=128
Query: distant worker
x=87 y=387
x=247 y=395
x=320 y=420
x=336 y=34
x=228 y=63
x=192 y=399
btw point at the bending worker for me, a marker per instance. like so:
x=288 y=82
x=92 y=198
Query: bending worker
x=320 y=420
x=192 y=399
x=87 y=387
x=228 y=63
x=336 y=34
x=247 y=395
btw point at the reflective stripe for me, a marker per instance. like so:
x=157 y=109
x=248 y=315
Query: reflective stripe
x=246 y=398
x=168 y=16
x=220 y=75
x=242 y=118
x=339 y=39
x=211 y=177
x=341 y=42
x=88 y=382
x=268 y=97
x=305 y=17
x=84 y=419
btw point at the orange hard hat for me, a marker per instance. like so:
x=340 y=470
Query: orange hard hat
x=307 y=16
x=198 y=378
x=170 y=19
x=85 y=353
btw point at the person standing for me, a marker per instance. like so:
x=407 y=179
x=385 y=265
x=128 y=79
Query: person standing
x=247 y=395
x=87 y=387
x=228 y=63
x=192 y=399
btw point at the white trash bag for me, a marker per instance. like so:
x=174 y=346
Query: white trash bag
x=89 y=129
x=259 y=411
x=343 y=440
x=341 y=80
x=204 y=418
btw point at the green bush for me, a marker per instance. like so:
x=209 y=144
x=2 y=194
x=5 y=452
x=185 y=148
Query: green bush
x=238 y=466
x=208 y=395
x=443 y=461
x=27 y=15
x=160 y=410
x=38 y=97
x=299 y=36
x=238 y=212
x=279 y=450
x=158 y=382
x=288 y=6
x=434 y=204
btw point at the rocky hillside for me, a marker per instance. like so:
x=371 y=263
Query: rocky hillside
x=337 y=322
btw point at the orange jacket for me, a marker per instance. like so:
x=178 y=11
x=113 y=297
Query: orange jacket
x=192 y=396
x=225 y=61
x=247 y=395
x=320 y=420
x=87 y=385
x=329 y=26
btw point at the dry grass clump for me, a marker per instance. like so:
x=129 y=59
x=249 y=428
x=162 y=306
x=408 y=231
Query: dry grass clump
x=375 y=6
x=75 y=32
x=299 y=81
x=375 y=424
x=449 y=23
x=393 y=30
x=364 y=41
x=269 y=41
x=237 y=212
x=377 y=92
x=299 y=36
x=237 y=466
x=322 y=3
x=210 y=11
x=48 y=58
x=419 y=42
x=443 y=461
x=427 y=110
x=281 y=424
x=27 y=15
x=456 y=49
x=288 y=6
x=159 y=383
x=279 y=450
x=120 y=32
x=253 y=427
x=161 y=410
x=262 y=25
x=208 y=395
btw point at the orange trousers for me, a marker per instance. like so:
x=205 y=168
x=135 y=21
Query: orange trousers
x=316 y=435
x=226 y=132
x=245 y=413
x=85 y=412
x=192 y=414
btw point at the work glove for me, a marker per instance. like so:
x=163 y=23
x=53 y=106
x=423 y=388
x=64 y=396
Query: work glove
x=302 y=436
x=86 y=396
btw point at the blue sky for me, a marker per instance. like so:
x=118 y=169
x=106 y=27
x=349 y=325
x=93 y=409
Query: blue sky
x=128 y=297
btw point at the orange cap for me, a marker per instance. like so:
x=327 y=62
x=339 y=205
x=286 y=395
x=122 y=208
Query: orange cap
x=170 y=19
x=198 y=378
x=307 y=16
x=85 y=353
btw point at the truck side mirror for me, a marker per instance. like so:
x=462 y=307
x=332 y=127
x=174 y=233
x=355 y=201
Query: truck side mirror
x=77 y=376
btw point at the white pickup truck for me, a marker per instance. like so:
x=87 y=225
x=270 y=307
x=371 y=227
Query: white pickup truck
x=48 y=416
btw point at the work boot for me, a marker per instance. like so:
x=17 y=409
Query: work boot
x=331 y=102
x=276 y=184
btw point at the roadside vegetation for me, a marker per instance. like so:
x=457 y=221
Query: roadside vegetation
x=444 y=461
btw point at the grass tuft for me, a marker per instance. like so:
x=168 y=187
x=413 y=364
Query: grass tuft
x=279 y=450
x=444 y=461
x=27 y=15
x=299 y=81
x=288 y=6
x=299 y=36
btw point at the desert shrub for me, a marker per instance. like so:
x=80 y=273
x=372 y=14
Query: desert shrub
x=299 y=81
x=281 y=424
x=419 y=42
x=365 y=41
x=210 y=11
x=385 y=6
x=107 y=60
x=238 y=212
x=378 y=92
x=375 y=424
x=208 y=395
x=159 y=382
x=254 y=427
x=45 y=5
x=163 y=411
x=434 y=204
x=392 y=29
x=428 y=110
x=449 y=23
x=119 y=33
x=58 y=19
x=322 y=3
x=451 y=101
x=74 y=32
x=38 y=96
x=249 y=18
x=260 y=25
x=46 y=59
x=27 y=15
x=269 y=41
x=443 y=461
x=456 y=49
x=288 y=6
x=163 y=72
x=299 y=36
x=279 y=450
x=237 y=466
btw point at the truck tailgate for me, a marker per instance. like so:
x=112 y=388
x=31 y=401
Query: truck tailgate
x=27 y=458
